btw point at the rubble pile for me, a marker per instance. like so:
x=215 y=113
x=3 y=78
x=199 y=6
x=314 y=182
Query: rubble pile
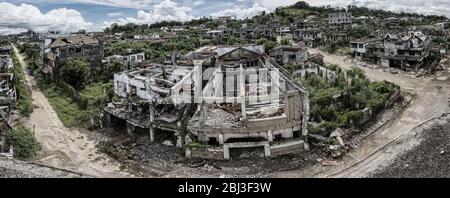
x=431 y=158
x=155 y=159
x=333 y=145
x=217 y=118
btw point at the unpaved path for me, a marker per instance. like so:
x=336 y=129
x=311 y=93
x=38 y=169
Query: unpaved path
x=65 y=147
x=376 y=151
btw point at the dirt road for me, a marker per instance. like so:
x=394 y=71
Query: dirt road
x=431 y=100
x=65 y=147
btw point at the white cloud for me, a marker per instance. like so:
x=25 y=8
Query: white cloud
x=242 y=13
x=271 y=4
x=115 y=14
x=165 y=11
x=198 y=2
x=436 y=7
x=7 y=31
x=26 y=16
x=135 y=4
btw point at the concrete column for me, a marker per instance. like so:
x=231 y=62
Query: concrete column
x=188 y=153
x=151 y=117
x=242 y=91
x=270 y=136
x=221 y=139
x=152 y=134
x=130 y=128
x=108 y=117
x=198 y=78
x=267 y=150
x=226 y=152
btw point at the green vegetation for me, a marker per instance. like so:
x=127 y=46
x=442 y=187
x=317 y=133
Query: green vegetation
x=32 y=54
x=77 y=109
x=340 y=104
x=76 y=96
x=268 y=44
x=25 y=101
x=299 y=13
x=75 y=72
x=23 y=141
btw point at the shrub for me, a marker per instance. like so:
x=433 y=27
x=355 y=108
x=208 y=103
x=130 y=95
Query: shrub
x=24 y=143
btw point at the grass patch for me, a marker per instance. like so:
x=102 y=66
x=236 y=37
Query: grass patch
x=25 y=100
x=67 y=110
x=70 y=112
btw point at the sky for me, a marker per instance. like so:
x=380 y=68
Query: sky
x=94 y=15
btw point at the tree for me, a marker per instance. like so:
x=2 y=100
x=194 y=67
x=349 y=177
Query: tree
x=301 y=5
x=268 y=44
x=285 y=42
x=109 y=70
x=76 y=72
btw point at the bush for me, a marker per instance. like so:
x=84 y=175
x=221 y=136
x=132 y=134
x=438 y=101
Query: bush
x=76 y=72
x=24 y=143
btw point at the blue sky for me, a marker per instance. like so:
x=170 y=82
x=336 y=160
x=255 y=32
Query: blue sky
x=69 y=15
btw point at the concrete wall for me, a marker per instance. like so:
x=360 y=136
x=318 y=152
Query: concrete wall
x=287 y=148
x=204 y=152
x=319 y=70
x=123 y=84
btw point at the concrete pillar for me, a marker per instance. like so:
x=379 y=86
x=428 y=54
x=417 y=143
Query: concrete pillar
x=270 y=136
x=108 y=118
x=198 y=78
x=152 y=134
x=151 y=117
x=267 y=150
x=188 y=153
x=221 y=139
x=226 y=152
x=130 y=128
x=242 y=91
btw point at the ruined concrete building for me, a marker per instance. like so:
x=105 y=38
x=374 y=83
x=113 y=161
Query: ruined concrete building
x=7 y=96
x=130 y=59
x=290 y=55
x=233 y=97
x=311 y=37
x=340 y=19
x=74 y=46
x=407 y=50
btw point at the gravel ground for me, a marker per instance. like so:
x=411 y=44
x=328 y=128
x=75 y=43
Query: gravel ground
x=430 y=159
x=8 y=173
x=21 y=169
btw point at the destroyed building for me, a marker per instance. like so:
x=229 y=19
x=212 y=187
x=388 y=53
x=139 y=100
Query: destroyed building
x=129 y=59
x=407 y=50
x=290 y=55
x=7 y=96
x=74 y=46
x=340 y=19
x=233 y=97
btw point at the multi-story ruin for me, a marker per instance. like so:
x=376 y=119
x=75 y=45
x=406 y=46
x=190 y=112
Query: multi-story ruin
x=232 y=98
x=290 y=55
x=74 y=46
x=340 y=19
x=407 y=50
x=7 y=96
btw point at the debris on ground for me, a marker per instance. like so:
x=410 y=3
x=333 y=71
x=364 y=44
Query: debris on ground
x=427 y=160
